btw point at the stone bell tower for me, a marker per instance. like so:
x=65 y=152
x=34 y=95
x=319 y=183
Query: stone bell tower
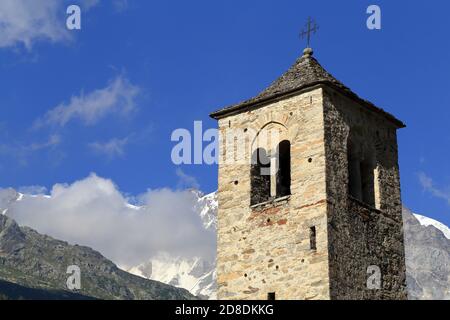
x=314 y=211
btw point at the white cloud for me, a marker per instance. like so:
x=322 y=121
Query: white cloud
x=95 y=213
x=26 y=21
x=428 y=185
x=117 y=97
x=112 y=148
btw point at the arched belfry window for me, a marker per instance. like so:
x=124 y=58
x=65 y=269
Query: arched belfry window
x=284 y=169
x=260 y=177
x=361 y=167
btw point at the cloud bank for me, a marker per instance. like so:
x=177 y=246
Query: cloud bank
x=95 y=213
x=26 y=21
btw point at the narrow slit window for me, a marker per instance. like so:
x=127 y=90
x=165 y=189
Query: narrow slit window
x=367 y=182
x=354 y=172
x=260 y=177
x=284 y=169
x=312 y=238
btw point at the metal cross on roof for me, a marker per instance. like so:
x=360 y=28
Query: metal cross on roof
x=310 y=28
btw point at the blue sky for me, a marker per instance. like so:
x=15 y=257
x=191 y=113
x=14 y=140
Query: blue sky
x=142 y=69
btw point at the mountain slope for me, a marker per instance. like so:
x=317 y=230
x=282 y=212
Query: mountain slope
x=427 y=252
x=36 y=261
x=12 y=291
x=196 y=274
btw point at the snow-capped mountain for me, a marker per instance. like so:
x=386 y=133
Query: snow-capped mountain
x=425 y=221
x=427 y=252
x=7 y=198
x=10 y=196
x=207 y=206
x=427 y=248
x=198 y=275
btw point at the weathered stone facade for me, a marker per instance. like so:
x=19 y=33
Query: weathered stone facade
x=266 y=248
x=361 y=235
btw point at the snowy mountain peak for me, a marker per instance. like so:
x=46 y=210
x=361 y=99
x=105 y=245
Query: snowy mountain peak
x=7 y=198
x=207 y=206
x=425 y=221
x=427 y=253
x=195 y=275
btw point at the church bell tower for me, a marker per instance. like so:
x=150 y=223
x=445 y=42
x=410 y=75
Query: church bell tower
x=309 y=193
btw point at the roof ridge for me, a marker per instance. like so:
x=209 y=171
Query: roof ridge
x=305 y=72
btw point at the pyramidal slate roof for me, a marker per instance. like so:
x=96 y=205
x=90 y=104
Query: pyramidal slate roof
x=306 y=72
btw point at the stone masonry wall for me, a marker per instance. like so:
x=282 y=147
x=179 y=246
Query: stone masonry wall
x=360 y=235
x=266 y=249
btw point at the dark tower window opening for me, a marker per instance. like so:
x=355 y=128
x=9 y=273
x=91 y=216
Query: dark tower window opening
x=271 y=296
x=367 y=182
x=312 y=238
x=354 y=172
x=260 y=177
x=284 y=169
x=361 y=177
